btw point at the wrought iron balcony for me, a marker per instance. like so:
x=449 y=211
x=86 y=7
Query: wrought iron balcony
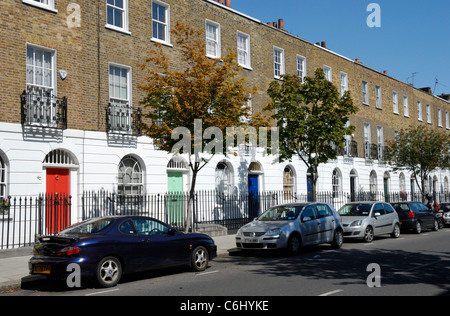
x=121 y=118
x=350 y=149
x=370 y=151
x=40 y=108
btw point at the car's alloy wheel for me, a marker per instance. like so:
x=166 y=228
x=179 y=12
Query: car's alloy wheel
x=368 y=234
x=418 y=227
x=338 y=239
x=436 y=225
x=109 y=272
x=396 y=232
x=199 y=259
x=294 y=244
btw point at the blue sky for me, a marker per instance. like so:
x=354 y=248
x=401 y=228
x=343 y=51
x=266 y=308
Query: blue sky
x=414 y=36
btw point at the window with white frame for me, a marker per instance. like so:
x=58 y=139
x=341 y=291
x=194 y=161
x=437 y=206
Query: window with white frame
x=213 y=47
x=44 y=4
x=395 y=102
x=119 y=98
x=130 y=179
x=327 y=72
x=243 y=49
x=41 y=86
x=365 y=92
x=428 y=114
x=439 y=118
x=344 y=83
x=336 y=182
x=405 y=106
x=378 y=99
x=3 y=193
x=380 y=140
x=278 y=62
x=419 y=111
x=160 y=22
x=447 y=120
x=288 y=182
x=301 y=67
x=117 y=14
x=224 y=178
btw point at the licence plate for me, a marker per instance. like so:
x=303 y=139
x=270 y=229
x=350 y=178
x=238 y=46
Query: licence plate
x=250 y=240
x=42 y=268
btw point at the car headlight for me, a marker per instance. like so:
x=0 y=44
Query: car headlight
x=273 y=233
x=356 y=223
x=239 y=232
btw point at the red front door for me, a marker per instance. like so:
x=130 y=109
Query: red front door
x=57 y=199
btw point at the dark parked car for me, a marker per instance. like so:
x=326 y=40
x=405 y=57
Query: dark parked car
x=416 y=216
x=107 y=247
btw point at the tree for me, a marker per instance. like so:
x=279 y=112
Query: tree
x=312 y=119
x=205 y=94
x=420 y=150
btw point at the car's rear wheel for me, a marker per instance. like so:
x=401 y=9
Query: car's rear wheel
x=396 y=232
x=338 y=239
x=109 y=272
x=199 y=259
x=418 y=227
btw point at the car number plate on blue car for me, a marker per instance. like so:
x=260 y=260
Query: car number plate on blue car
x=42 y=268
x=251 y=240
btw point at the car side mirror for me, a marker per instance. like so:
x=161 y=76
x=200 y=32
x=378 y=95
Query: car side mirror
x=377 y=214
x=172 y=231
x=306 y=219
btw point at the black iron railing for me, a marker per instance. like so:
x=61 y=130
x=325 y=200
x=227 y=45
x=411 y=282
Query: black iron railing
x=122 y=118
x=40 y=108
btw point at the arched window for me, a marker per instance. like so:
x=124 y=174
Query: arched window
x=337 y=182
x=130 y=177
x=288 y=182
x=2 y=179
x=224 y=178
x=402 y=181
x=373 y=182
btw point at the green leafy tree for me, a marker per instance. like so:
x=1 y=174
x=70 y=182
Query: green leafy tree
x=195 y=93
x=312 y=119
x=420 y=150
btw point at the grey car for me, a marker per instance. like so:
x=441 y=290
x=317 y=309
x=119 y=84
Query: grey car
x=291 y=226
x=368 y=219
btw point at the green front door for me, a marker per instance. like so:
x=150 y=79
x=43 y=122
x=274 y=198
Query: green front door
x=175 y=198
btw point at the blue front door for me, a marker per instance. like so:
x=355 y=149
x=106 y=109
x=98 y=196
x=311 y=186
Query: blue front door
x=253 y=196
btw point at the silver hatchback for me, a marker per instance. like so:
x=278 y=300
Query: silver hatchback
x=291 y=226
x=368 y=219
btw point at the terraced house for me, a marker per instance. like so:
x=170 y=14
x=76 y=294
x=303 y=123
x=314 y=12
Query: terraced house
x=70 y=102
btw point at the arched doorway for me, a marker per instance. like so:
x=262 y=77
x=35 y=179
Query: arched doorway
x=59 y=165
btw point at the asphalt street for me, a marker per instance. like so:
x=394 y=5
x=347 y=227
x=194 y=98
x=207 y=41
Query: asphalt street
x=408 y=266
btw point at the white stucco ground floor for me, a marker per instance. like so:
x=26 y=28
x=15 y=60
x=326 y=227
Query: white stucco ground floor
x=35 y=161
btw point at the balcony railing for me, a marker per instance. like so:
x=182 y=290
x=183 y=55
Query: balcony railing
x=40 y=108
x=350 y=149
x=121 y=118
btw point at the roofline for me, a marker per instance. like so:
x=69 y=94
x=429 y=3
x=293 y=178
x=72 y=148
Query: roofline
x=318 y=46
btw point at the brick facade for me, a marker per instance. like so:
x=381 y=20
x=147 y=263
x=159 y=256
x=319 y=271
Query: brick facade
x=85 y=47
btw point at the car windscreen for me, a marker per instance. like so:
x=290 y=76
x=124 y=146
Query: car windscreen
x=91 y=226
x=445 y=207
x=362 y=209
x=281 y=213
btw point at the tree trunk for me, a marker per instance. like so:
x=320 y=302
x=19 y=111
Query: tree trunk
x=190 y=207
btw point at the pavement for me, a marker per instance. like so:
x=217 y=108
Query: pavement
x=14 y=263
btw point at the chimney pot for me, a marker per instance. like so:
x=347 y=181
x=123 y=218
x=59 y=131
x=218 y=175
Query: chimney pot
x=281 y=24
x=275 y=25
x=220 y=1
x=269 y=23
x=324 y=44
x=385 y=72
x=228 y=3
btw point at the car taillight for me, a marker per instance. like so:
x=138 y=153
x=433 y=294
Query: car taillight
x=68 y=251
x=411 y=215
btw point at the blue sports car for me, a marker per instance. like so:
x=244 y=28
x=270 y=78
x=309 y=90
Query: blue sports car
x=107 y=247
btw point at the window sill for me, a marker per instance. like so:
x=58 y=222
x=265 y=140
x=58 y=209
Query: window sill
x=155 y=40
x=117 y=29
x=40 y=5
